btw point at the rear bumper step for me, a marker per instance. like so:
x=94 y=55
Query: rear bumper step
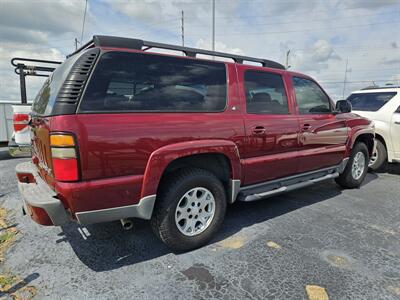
x=37 y=194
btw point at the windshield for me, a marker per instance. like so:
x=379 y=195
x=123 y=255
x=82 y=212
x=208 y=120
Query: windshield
x=370 y=101
x=45 y=99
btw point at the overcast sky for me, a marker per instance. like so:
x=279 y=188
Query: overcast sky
x=321 y=34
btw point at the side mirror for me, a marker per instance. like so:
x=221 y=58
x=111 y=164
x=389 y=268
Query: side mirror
x=343 y=106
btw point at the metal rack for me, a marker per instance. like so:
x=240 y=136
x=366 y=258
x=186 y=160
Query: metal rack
x=39 y=69
x=137 y=44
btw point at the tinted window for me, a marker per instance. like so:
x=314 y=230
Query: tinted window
x=370 y=101
x=45 y=99
x=143 y=82
x=309 y=97
x=265 y=93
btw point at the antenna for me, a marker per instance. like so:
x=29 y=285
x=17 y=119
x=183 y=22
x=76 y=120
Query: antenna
x=84 y=19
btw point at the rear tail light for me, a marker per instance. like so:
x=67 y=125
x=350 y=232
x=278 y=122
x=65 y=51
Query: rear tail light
x=20 y=121
x=64 y=154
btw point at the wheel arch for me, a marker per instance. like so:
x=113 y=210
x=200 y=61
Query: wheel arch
x=220 y=157
x=368 y=139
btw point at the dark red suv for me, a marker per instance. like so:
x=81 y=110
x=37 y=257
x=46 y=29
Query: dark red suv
x=120 y=131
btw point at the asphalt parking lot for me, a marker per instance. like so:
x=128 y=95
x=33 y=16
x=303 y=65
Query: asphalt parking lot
x=345 y=241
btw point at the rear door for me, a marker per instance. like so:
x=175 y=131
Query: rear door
x=271 y=126
x=322 y=135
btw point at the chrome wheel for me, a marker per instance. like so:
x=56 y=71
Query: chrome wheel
x=357 y=169
x=374 y=158
x=195 y=211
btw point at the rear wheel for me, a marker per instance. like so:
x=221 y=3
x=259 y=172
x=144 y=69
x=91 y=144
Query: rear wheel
x=189 y=210
x=378 y=159
x=356 y=168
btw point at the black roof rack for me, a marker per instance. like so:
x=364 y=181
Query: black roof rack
x=35 y=67
x=121 y=42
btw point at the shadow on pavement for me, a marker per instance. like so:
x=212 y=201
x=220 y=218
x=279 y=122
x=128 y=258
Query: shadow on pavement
x=393 y=169
x=20 y=285
x=4 y=154
x=107 y=246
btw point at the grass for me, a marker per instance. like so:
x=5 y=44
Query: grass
x=10 y=285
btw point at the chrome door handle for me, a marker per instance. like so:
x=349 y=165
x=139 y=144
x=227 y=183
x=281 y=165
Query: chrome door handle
x=397 y=122
x=306 y=127
x=259 y=130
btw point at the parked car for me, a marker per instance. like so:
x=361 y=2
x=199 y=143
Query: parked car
x=382 y=105
x=121 y=132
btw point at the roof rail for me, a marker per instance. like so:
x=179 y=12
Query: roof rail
x=394 y=86
x=121 y=42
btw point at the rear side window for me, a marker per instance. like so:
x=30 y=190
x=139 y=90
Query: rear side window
x=370 y=101
x=142 y=82
x=265 y=93
x=45 y=99
x=310 y=98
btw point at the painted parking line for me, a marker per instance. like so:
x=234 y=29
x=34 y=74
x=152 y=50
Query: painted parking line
x=273 y=245
x=315 y=292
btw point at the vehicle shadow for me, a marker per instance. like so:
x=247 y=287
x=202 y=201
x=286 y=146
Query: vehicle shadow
x=390 y=168
x=4 y=154
x=107 y=246
x=393 y=169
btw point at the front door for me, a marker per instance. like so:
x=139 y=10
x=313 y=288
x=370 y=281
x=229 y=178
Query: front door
x=271 y=126
x=322 y=136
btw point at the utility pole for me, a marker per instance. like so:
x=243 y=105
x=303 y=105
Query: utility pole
x=287 y=60
x=183 y=28
x=213 y=26
x=345 y=78
x=76 y=43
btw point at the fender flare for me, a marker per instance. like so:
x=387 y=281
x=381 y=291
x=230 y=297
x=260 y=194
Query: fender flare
x=357 y=132
x=162 y=157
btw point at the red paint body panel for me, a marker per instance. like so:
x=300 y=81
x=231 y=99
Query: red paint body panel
x=122 y=156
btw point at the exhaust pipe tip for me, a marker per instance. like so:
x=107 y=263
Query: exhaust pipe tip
x=127 y=224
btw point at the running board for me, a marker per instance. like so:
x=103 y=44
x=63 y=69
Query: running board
x=258 y=192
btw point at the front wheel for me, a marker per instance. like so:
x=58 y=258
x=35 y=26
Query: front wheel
x=189 y=210
x=356 y=168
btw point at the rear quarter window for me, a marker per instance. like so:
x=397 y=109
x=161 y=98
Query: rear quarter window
x=45 y=99
x=146 y=82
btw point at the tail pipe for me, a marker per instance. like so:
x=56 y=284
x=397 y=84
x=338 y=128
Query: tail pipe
x=127 y=224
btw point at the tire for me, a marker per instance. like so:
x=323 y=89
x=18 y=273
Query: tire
x=379 y=163
x=185 y=187
x=352 y=176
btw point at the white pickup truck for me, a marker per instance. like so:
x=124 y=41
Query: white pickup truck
x=382 y=105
